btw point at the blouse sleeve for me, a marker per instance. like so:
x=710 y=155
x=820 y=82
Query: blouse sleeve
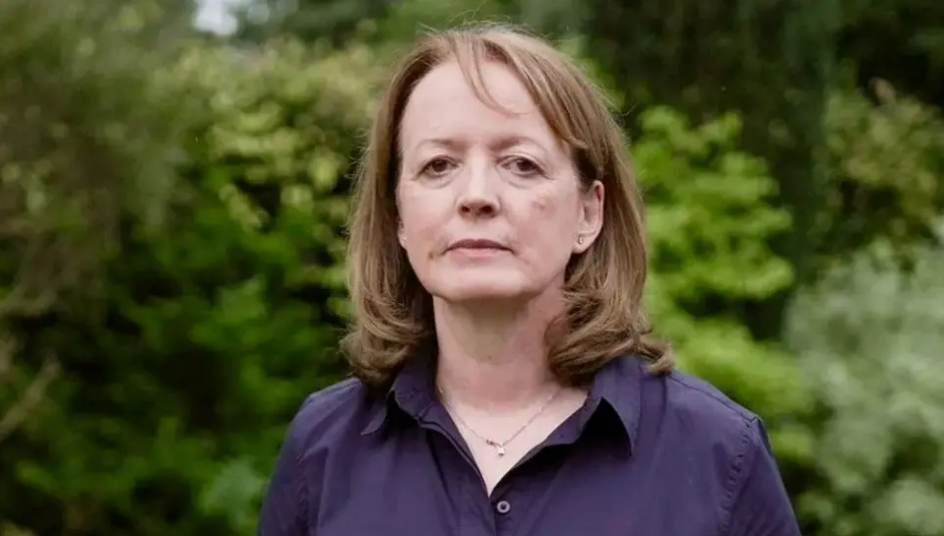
x=759 y=504
x=284 y=505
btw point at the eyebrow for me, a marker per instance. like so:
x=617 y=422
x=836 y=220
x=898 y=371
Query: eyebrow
x=502 y=143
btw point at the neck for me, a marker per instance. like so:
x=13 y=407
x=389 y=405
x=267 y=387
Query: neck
x=494 y=358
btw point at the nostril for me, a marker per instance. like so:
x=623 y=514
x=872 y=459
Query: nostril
x=478 y=209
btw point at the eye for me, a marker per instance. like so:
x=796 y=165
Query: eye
x=437 y=167
x=523 y=167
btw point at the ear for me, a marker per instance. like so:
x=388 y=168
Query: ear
x=591 y=217
x=400 y=236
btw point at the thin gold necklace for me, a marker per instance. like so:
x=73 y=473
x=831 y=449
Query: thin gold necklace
x=499 y=446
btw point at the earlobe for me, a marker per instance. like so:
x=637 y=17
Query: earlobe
x=579 y=247
x=592 y=218
x=584 y=241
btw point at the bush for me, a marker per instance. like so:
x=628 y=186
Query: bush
x=89 y=133
x=710 y=217
x=213 y=326
x=869 y=340
x=885 y=159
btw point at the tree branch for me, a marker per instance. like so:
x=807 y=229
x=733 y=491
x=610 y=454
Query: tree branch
x=18 y=414
x=7 y=348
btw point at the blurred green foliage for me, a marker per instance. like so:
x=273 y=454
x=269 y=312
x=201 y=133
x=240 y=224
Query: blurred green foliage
x=869 y=342
x=65 y=147
x=710 y=215
x=171 y=249
x=885 y=156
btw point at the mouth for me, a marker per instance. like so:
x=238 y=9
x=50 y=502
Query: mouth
x=477 y=246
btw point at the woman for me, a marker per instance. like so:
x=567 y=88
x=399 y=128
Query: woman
x=504 y=381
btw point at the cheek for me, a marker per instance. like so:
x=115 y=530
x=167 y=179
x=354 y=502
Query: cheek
x=540 y=205
x=546 y=225
x=547 y=214
x=421 y=217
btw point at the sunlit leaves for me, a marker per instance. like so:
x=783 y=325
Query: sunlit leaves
x=710 y=215
x=710 y=209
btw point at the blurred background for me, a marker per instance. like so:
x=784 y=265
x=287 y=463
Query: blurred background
x=174 y=179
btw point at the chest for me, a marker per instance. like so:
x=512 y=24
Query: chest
x=423 y=486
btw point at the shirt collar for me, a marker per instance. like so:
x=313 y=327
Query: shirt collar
x=413 y=391
x=618 y=385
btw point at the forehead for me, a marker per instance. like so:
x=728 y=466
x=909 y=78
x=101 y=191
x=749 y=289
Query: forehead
x=444 y=105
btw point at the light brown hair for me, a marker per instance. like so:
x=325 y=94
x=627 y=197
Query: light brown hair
x=604 y=285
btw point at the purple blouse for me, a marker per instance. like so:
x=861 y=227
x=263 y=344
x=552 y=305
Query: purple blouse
x=646 y=455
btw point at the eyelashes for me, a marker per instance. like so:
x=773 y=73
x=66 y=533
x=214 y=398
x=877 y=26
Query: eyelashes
x=524 y=167
x=437 y=167
x=520 y=166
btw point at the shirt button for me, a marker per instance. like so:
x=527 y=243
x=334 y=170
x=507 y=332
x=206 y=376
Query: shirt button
x=503 y=507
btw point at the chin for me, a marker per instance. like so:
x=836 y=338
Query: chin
x=479 y=288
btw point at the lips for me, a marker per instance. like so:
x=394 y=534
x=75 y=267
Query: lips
x=476 y=244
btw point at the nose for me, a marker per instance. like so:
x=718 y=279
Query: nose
x=479 y=197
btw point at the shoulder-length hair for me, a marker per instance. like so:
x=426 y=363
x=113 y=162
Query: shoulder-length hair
x=604 y=316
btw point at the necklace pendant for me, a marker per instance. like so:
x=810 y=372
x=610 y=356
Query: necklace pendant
x=500 y=449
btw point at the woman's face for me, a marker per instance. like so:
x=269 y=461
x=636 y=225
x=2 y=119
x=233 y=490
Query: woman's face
x=490 y=203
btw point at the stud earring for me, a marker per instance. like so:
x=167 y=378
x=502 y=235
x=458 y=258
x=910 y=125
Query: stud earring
x=580 y=239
